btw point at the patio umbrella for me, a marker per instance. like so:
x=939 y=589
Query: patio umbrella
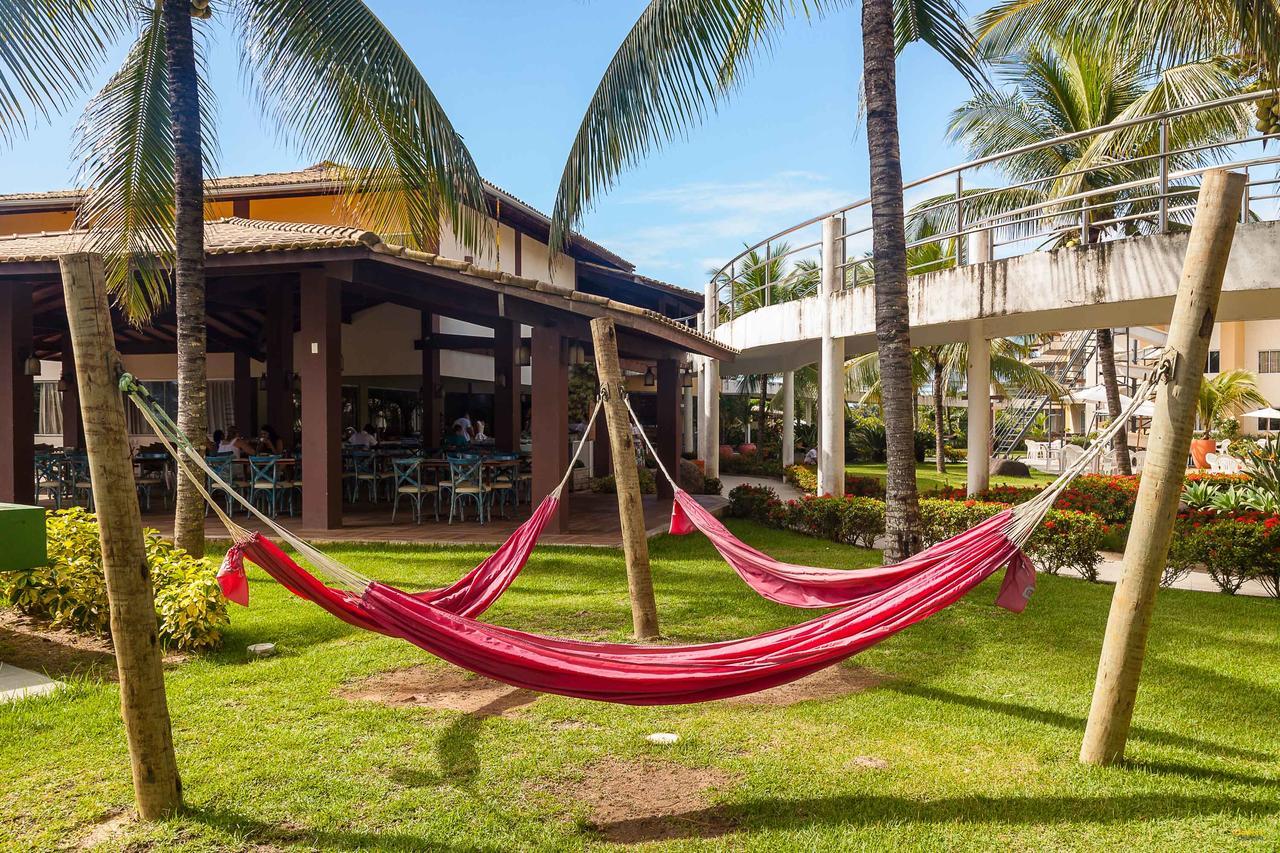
x=1268 y=412
x=1097 y=394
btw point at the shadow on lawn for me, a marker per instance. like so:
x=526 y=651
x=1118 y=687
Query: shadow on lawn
x=1077 y=724
x=868 y=811
x=324 y=839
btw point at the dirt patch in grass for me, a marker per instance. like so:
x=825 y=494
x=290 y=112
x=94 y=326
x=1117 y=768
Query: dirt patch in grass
x=830 y=683
x=26 y=643
x=636 y=801
x=442 y=689
x=107 y=829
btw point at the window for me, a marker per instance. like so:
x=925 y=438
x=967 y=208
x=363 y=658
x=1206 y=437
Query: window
x=1269 y=424
x=1214 y=362
x=1269 y=361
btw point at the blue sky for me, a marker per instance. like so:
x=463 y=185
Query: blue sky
x=515 y=77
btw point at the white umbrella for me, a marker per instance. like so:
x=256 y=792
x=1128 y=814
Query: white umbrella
x=1268 y=412
x=1146 y=410
x=1097 y=394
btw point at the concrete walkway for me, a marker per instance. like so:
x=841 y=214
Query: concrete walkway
x=785 y=491
x=18 y=683
x=1110 y=569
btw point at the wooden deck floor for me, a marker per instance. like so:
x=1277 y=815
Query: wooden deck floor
x=593 y=521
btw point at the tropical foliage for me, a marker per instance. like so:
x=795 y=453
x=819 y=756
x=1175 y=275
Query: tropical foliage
x=1224 y=396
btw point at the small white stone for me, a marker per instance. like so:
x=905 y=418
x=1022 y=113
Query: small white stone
x=663 y=738
x=262 y=650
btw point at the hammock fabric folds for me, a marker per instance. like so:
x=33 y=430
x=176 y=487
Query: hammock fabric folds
x=439 y=622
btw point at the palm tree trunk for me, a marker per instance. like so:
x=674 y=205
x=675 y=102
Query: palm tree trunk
x=939 y=416
x=889 y=256
x=1107 y=363
x=189 y=295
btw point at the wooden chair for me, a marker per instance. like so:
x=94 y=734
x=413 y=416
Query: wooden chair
x=466 y=480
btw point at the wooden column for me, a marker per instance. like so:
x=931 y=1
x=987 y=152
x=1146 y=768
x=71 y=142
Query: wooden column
x=243 y=392
x=601 y=452
x=279 y=336
x=72 y=419
x=506 y=385
x=321 y=401
x=550 y=419
x=1163 y=476
x=143 y=707
x=17 y=396
x=432 y=402
x=668 y=443
x=635 y=539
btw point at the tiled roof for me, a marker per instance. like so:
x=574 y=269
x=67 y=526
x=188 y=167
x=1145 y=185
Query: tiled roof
x=221 y=237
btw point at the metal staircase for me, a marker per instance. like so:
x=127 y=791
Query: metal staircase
x=1064 y=359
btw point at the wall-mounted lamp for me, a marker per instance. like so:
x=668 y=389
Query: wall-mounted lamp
x=502 y=380
x=522 y=355
x=31 y=367
x=650 y=379
x=577 y=353
x=686 y=377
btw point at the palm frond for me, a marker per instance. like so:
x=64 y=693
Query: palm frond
x=941 y=25
x=50 y=53
x=339 y=87
x=124 y=147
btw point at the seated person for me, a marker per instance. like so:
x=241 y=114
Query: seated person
x=363 y=437
x=479 y=434
x=458 y=439
x=811 y=458
x=269 y=441
x=235 y=445
x=212 y=446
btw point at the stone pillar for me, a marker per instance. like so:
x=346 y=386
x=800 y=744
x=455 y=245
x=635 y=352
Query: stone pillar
x=668 y=438
x=831 y=398
x=243 y=392
x=279 y=336
x=709 y=393
x=687 y=416
x=17 y=396
x=506 y=386
x=432 y=389
x=321 y=401
x=979 y=390
x=788 y=418
x=550 y=419
x=72 y=417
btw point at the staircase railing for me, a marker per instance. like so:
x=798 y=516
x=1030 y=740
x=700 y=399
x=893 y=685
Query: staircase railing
x=1027 y=405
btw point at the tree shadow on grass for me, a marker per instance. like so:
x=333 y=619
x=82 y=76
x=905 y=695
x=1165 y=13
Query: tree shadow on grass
x=291 y=833
x=456 y=746
x=1077 y=724
x=870 y=811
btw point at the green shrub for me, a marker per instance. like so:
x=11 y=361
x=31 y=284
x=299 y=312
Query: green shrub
x=608 y=486
x=1068 y=540
x=754 y=502
x=942 y=519
x=803 y=477
x=70 y=592
x=751 y=465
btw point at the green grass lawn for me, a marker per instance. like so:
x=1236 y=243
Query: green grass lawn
x=969 y=743
x=928 y=478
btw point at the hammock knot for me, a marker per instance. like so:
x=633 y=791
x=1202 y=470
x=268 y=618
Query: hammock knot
x=1166 y=367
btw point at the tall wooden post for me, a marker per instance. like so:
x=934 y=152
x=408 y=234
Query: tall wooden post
x=1164 y=472
x=505 y=428
x=156 y=785
x=17 y=396
x=432 y=404
x=321 y=401
x=635 y=542
x=668 y=439
x=72 y=423
x=550 y=420
x=243 y=392
x=279 y=335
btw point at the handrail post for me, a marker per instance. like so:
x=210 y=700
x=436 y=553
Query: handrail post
x=960 y=243
x=709 y=393
x=1244 y=203
x=1164 y=176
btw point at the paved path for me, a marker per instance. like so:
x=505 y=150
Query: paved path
x=17 y=683
x=785 y=491
x=1109 y=571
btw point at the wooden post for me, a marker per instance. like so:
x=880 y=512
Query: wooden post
x=17 y=396
x=550 y=420
x=1125 y=642
x=635 y=541
x=432 y=404
x=668 y=439
x=72 y=423
x=243 y=393
x=279 y=335
x=505 y=428
x=143 y=707
x=321 y=401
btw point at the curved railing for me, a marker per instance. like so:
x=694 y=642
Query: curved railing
x=960 y=221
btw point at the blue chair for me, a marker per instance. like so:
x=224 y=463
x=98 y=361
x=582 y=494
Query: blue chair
x=409 y=483
x=50 y=480
x=224 y=465
x=364 y=469
x=79 y=479
x=504 y=481
x=149 y=477
x=267 y=486
x=466 y=480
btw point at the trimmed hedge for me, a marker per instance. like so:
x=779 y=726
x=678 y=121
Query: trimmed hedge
x=71 y=592
x=805 y=478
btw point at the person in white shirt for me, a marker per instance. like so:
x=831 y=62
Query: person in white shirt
x=363 y=438
x=811 y=458
x=468 y=428
x=479 y=433
x=235 y=445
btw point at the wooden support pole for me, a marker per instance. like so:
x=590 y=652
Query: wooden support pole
x=432 y=402
x=635 y=541
x=17 y=396
x=243 y=392
x=1164 y=473
x=668 y=438
x=321 y=401
x=143 y=707
x=72 y=422
x=505 y=428
x=279 y=334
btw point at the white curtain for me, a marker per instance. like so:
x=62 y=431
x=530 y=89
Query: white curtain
x=222 y=405
x=49 y=420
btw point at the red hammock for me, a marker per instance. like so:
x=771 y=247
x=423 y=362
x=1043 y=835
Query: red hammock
x=655 y=675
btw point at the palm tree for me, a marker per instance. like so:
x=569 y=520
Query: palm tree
x=683 y=57
x=1062 y=85
x=331 y=79
x=1225 y=395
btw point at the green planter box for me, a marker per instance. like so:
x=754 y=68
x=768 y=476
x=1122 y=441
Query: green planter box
x=22 y=537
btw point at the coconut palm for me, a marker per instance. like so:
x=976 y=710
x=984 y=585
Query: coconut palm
x=330 y=78
x=1224 y=396
x=1063 y=85
x=682 y=58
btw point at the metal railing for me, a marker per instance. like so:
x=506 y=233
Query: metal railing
x=968 y=228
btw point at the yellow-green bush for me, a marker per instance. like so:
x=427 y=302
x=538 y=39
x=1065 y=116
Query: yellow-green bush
x=71 y=592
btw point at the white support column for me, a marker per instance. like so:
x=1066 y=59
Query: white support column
x=687 y=413
x=710 y=392
x=979 y=389
x=788 y=418
x=831 y=417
